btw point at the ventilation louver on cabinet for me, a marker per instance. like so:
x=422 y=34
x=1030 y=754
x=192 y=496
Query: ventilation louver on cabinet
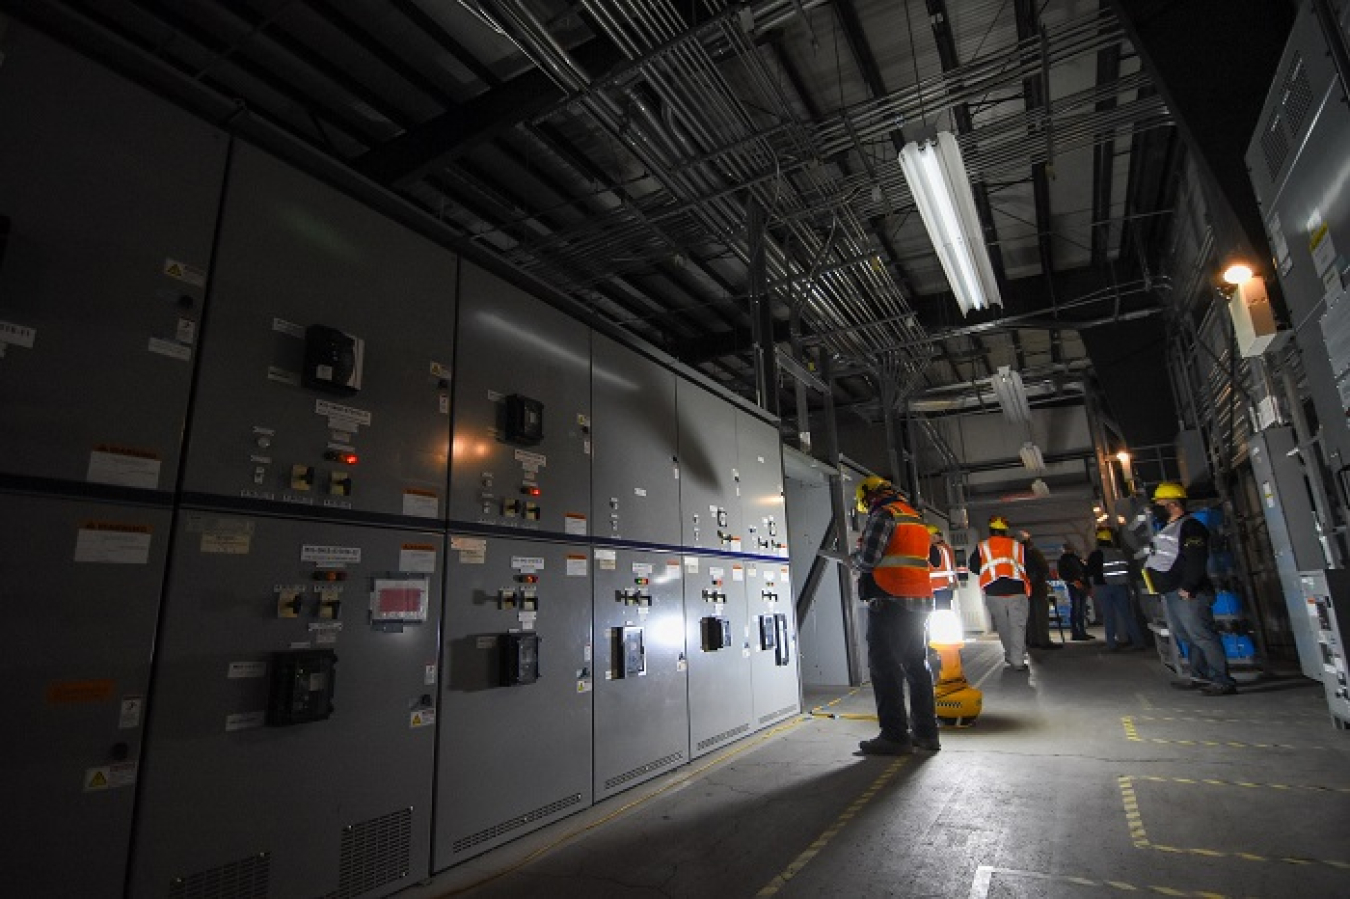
x=518 y=821
x=781 y=713
x=1298 y=96
x=374 y=853
x=724 y=736
x=247 y=878
x=643 y=769
x=1275 y=145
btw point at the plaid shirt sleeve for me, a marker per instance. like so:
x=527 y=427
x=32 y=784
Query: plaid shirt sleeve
x=876 y=533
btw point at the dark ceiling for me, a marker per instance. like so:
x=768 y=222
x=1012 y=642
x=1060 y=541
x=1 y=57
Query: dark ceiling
x=646 y=157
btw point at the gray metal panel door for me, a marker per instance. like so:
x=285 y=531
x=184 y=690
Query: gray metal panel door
x=636 y=495
x=1295 y=161
x=111 y=195
x=512 y=758
x=1290 y=522
x=773 y=674
x=710 y=503
x=514 y=346
x=80 y=583
x=306 y=809
x=720 y=703
x=759 y=453
x=295 y=253
x=641 y=716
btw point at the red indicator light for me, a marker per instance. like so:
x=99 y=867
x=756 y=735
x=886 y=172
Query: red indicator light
x=642 y=582
x=530 y=491
x=717 y=583
x=338 y=456
x=528 y=578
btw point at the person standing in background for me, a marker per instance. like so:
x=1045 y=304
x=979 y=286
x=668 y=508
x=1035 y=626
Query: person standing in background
x=941 y=568
x=1038 y=573
x=1074 y=575
x=1001 y=562
x=1108 y=573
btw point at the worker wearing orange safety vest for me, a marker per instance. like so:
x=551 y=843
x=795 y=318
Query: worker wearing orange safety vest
x=1001 y=561
x=941 y=568
x=892 y=565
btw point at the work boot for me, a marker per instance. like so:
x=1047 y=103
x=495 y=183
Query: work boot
x=929 y=744
x=883 y=746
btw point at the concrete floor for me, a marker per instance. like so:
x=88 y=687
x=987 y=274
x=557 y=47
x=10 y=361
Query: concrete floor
x=1087 y=776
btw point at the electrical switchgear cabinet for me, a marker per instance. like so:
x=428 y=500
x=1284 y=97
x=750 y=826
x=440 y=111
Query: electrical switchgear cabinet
x=642 y=722
x=339 y=805
x=710 y=488
x=776 y=684
x=325 y=379
x=513 y=757
x=80 y=583
x=720 y=698
x=516 y=353
x=110 y=195
x=759 y=453
x=1295 y=162
x=635 y=495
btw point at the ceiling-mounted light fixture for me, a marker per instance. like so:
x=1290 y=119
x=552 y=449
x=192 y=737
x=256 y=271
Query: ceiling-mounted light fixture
x=937 y=178
x=1031 y=456
x=1011 y=395
x=1237 y=273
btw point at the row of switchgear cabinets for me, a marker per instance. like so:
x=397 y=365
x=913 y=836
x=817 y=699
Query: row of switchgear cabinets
x=239 y=340
x=322 y=698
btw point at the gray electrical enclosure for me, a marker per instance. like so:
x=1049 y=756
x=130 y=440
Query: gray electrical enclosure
x=710 y=489
x=518 y=679
x=759 y=453
x=1287 y=505
x=1295 y=162
x=773 y=643
x=325 y=379
x=522 y=441
x=104 y=271
x=635 y=493
x=717 y=635
x=641 y=668
x=80 y=583
x=292 y=729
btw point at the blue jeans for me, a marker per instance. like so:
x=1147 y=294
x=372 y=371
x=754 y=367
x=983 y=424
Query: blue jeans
x=942 y=598
x=897 y=653
x=1193 y=621
x=1113 y=605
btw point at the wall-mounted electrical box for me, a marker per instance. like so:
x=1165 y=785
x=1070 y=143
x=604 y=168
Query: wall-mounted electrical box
x=520 y=658
x=524 y=420
x=716 y=633
x=630 y=653
x=302 y=686
x=333 y=360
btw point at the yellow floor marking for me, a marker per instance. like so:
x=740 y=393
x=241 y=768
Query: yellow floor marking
x=1242 y=783
x=1132 y=734
x=1134 y=820
x=801 y=861
x=983 y=883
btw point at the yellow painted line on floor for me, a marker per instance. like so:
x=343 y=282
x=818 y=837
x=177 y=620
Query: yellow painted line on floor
x=1132 y=734
x=1134 y=820
x=1145 y=701
x=1242 y=783
x=819 y=711
x=982 y=885
x=1274 y=716
x=801 y=861
x=1261 y=722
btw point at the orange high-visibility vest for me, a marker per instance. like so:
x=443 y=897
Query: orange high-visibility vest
x=903 y=569
x=1002 y=557
x=943 y=576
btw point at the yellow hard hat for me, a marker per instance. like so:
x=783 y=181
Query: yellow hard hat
x=1104 y=534
x=869 y=485
x=1168 y=490
x=933 y=529
x=998 y=523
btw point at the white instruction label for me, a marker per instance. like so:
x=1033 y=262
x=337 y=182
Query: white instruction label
x=17 y=335
x=344 y=413
x=737 y=573
x=574 y=523
x=421 y=718
x=244 y=670
x=113 y=543
x=642 y=569
x=125 y=468
x=535 y=461
x=691 y=565
x=227 y=544
x=417 y=558
x=716 y=573
x=245 y=721
x=331 y=555
x=170 y=348
x=109 y=777
x=421 y=503
x=606 y=559
x=576 y=566
x=527 y=563
x=129 y=717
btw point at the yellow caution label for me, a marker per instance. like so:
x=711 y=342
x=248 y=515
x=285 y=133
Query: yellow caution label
x=98 y=780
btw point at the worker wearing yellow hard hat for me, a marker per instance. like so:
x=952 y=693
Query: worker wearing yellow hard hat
x=1001 y=562
x=1108 y=572
x=1177 y=567
x=892 y=564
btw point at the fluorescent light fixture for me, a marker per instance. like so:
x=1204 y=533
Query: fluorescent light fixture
x=1031 y=456
x=1040 y=488
x=1011 y=395
x=937 y=178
